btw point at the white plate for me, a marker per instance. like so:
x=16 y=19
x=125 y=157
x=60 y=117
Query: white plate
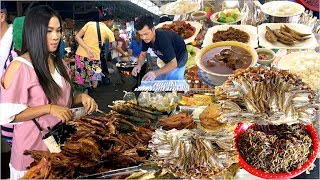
x=179 y=7
x=310 y=43
x=251 y=30
x=282 y=8
x=196 y=25
x=215 y=20
x=305 y=64
x=160 y=63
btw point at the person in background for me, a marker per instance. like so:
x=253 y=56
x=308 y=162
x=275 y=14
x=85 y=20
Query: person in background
x=135 y=45
x=6 y=43
x=88 y=53
x=118 y=47
x=36 y=87
x=167 y=45
x=134 y=53
x=118 y=52
x=6 y=47
x=17 y=27
x=62 y=47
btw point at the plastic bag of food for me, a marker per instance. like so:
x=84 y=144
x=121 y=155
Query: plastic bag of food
x=144 y=99
x=130 y=97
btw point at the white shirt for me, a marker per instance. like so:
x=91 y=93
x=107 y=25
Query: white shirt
x=152 y=54
x=5 y=44
x=115 y=53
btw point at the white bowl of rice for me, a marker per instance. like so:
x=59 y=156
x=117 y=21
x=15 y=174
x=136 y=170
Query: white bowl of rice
x=282 y=8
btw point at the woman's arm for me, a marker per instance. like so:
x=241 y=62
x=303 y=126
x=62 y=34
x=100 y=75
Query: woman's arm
x=62 y=113
x=88 y=102
x=80 y=41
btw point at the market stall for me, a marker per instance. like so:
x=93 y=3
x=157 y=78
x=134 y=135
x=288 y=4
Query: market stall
x=248 y=107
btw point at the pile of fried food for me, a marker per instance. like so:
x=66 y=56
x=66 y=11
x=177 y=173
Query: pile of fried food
x=177 y=121
x=209 y=118
x=231 y=34
x=193 y=153
x=197 y=100
x=285 y=35
x=185 y=30
x=100 y=144
x=275 y=149
x=266 y=96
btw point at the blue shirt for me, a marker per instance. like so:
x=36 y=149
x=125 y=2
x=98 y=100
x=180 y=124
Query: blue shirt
x=168 y=45
x=61 y=49
x=136 y=48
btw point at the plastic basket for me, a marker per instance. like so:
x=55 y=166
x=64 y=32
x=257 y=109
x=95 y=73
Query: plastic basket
x=241 y=128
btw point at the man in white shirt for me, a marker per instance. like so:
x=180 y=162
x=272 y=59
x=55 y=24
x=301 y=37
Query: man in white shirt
x=5 y=38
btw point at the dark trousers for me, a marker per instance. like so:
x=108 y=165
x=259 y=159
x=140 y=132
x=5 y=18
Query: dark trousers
x=140 y=75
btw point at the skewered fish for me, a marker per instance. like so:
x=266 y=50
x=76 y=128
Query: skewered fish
x=127 y=108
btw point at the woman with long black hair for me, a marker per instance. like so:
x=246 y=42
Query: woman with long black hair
x=37 y=86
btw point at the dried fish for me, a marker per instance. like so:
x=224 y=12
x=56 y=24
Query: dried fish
x=266 y=95
x=270 y=35
x=193 y=153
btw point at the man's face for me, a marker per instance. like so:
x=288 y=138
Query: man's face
x=146 y=34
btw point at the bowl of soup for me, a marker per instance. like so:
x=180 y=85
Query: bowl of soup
x=198 y=15
x=219 y=60
x=265 y=56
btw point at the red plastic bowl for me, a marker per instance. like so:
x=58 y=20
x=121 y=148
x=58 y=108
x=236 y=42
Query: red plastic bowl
x=311 y=4
x=241 y=128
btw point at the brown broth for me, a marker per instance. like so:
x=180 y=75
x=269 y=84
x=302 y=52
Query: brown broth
x=198 y=14
x=221 y=68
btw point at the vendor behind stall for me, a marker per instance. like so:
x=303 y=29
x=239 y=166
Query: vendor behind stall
x=167 y=45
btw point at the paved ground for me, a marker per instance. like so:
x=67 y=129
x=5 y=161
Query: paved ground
x=105 y=94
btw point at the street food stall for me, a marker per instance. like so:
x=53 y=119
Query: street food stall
x=248 y=107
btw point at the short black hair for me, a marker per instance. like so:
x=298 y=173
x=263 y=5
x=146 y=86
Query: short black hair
x=107 y=17
x=164 y=19
x=144 y=20
x=115 y=30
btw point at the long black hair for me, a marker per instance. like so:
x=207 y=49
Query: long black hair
x=34 y=42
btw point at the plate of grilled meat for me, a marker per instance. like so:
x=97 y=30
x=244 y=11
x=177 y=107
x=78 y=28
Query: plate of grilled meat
x=286 y=35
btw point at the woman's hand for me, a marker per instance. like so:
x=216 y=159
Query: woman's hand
x=90 y=54
x=60 y=112
x=89 y=104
